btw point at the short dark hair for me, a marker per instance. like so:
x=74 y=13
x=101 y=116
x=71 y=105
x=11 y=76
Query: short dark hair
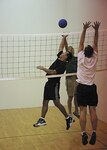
x=88 y=51
x=60 y=52
x=69 y=56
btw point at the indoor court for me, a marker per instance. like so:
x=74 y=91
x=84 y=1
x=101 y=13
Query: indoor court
x=17 y=132
x=30 y=34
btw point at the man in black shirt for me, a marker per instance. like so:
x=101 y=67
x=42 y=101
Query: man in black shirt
x=52 y=86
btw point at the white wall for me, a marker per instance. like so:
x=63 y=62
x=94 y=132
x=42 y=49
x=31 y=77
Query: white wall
x=28 y=17
x=31 y=16
x=41 y=16
x=26 y=93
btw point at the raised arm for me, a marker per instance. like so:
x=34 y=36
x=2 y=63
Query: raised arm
x=82 y=38
x=66 y=43
x=62 y=44
x=95 y=43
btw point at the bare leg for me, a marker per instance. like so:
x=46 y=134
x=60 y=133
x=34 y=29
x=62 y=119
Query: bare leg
x=94 y=120
x=76 y=105
x=76 y=112
x=41 y=121
x=44 y=108
x=83 y=112
x=93 y=117
x=70 y=104
x=60 y=107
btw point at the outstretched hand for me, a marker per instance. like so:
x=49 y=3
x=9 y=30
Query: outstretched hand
x=40 y=67
x=86 y=25
x=64 y=36
x=96 y=25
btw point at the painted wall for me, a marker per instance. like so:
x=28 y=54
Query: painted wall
x=28 y=17
x=31 y=16
x=41 y=16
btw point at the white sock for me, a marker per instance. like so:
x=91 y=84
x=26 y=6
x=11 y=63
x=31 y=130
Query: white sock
x=83 y=132
x=70 y=115
x=67 y=117
x=42 y=118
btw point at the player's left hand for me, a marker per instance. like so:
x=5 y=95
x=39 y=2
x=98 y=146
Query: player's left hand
x=40 y=67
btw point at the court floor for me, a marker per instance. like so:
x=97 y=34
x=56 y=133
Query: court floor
x=17 y=131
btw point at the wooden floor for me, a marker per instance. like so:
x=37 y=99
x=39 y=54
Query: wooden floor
x=17 y=132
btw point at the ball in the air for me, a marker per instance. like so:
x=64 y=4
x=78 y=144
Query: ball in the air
x=62 y=23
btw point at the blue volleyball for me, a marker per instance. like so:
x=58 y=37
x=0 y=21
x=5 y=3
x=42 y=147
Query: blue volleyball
x=62 y=23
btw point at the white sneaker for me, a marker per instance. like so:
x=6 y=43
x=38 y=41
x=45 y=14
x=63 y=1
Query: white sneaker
x=40 y=122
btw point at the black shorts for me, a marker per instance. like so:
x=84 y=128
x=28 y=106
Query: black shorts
x=51 y=91
x=87 y=95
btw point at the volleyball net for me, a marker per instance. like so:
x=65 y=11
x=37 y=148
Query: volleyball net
x=21 y=54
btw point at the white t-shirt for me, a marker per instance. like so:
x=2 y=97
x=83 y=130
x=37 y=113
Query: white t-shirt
x=86 y=68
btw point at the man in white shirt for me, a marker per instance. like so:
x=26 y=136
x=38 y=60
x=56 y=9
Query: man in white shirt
x=86 y=89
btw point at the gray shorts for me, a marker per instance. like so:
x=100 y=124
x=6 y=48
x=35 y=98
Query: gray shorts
x=71 y=85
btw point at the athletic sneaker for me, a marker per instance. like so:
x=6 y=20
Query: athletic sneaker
x=68 y=123
x=84 y=138
x=72 y=119
x=40 y=122
x=93 y=138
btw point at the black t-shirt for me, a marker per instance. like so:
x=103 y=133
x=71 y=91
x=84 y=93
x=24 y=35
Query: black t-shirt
x=59 y=66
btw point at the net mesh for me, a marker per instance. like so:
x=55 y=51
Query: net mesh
x=21 y=54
